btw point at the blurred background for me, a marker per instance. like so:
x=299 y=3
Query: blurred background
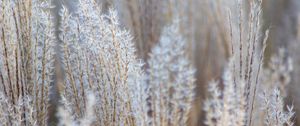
x=204 y=23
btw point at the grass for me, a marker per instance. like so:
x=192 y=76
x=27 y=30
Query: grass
x=109 y=79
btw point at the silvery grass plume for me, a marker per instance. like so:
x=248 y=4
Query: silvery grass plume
x=20 y=113
x=246 y=38
x=99 y=56
x=275 y=114
x=226 y=107
x=278 y=73
x=88 y=119
x=26 y=61
x=170 y=78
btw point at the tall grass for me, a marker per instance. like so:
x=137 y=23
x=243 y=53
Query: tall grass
x=26 y=60
x=171 y=79
x=108 y=80
x=100 y=58
x=242 y=79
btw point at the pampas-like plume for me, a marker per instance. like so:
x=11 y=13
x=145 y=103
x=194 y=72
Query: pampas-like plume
x=273 y=105
x=26 y=70
x=279 y=72
x=99 y=57
x=243 y=72
x=171 y=79
x=227 y=107
x=248 y=49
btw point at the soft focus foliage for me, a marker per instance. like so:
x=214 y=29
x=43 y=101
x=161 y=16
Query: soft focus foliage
x=142 y=63
x=227 y=108
x=274 y=107
x=171 y=79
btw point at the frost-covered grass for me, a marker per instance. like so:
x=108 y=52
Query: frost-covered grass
x=105 y=82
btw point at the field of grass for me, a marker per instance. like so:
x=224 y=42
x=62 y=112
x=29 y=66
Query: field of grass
x=149 y=63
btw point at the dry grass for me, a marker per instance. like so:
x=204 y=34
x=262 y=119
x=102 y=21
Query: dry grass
x=110 y=76
x=26 y=62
